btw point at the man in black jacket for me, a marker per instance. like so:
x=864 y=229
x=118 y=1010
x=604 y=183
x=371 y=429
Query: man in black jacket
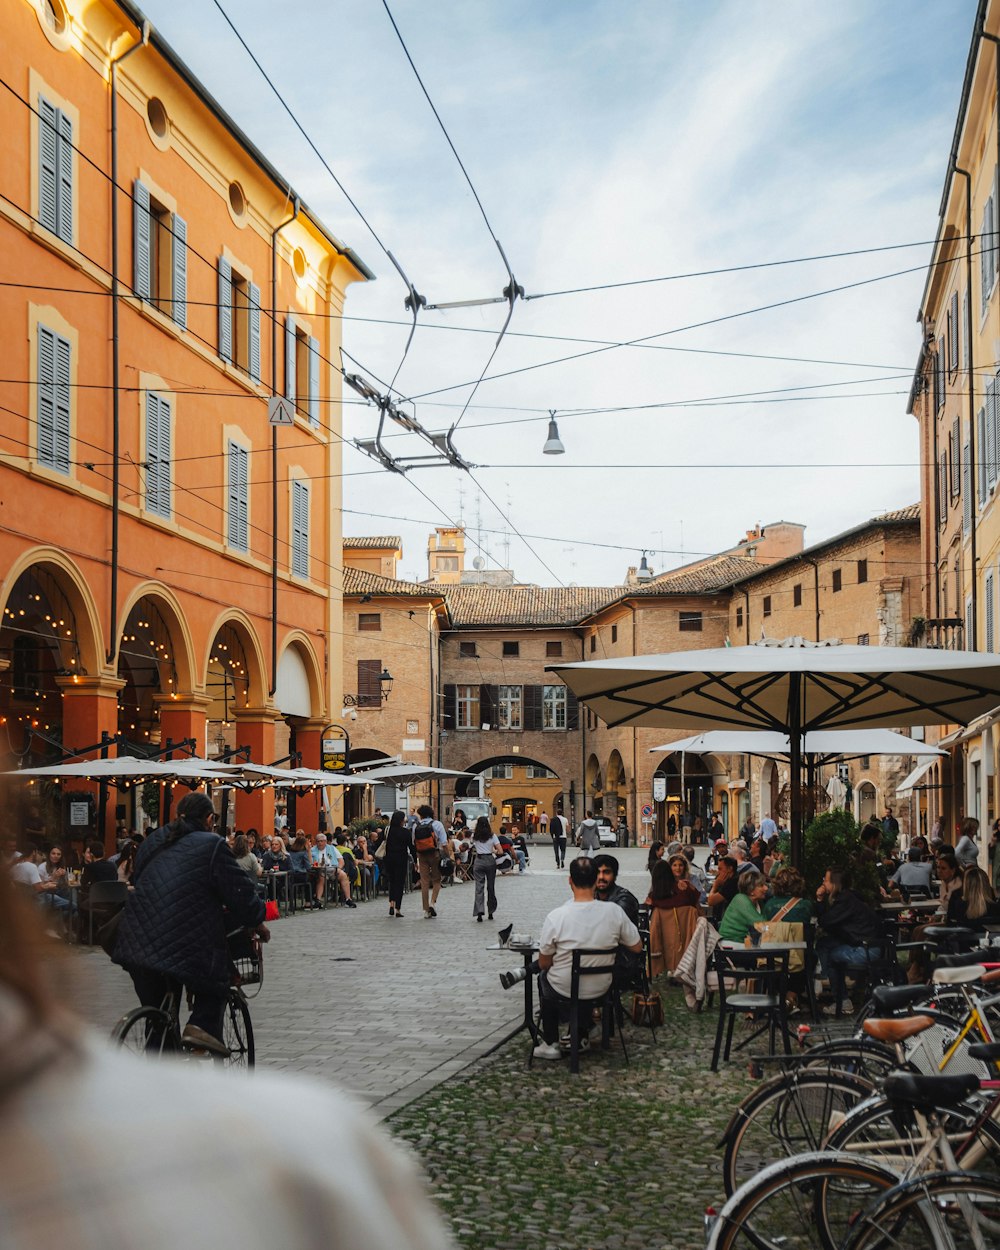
x=189 y=892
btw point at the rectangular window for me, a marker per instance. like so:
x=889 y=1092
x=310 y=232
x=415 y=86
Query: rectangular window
x=987 y=255
x=467 y=650
x=689 y=622
x=614 y=633
x=302 y=370
x=158 y=434
x=988 y=597
x=553 y=707
x=300 y=529
x=553 y=650
x=970 y=642
x=511 y=650
x=369 y=686
x=767 y=605
x=797 y=595
x=55 y=170
x=955 y=455
x=502 y=772
x=966 y=354
x=966 y=489
x=862 y=640
x=942 y=500
x=593 y=643
x=239 y=320
x=370 y=622
x=953 y=334
x=837 y=580
x=862 y=572
x=509 y=702
x=538 y=772
x=989 y=449
x=982 y=467
x=238 y=490
x=159 y=255
x=54 y=356
x=739 y=618
x=468 y=707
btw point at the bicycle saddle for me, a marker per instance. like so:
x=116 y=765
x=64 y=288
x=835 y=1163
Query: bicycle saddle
x=930 y=1091
x=891 y=998
x=958 y=976
x=949 y=931
x=896 y=1029
x=982 y=956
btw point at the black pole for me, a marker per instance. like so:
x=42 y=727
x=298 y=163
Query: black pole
x=795 y=764
x=167 y=791
x=102 y=802
x=810 y=803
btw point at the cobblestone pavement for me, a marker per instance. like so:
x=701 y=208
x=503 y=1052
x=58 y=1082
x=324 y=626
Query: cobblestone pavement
x=402 y=1013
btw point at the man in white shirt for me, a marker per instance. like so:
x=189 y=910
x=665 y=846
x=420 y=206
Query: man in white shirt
x=26 y=872
x=768 y=829
x=583 y=922
x=328 y=860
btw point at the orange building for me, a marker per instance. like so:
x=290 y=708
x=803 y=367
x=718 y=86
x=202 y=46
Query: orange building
x=170 y=563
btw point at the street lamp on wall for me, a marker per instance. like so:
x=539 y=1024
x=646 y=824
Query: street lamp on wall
x=385 y=686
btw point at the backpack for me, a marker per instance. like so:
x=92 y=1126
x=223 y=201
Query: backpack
x=424 y=837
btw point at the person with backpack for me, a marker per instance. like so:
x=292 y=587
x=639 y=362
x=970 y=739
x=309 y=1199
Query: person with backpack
x=429 y=840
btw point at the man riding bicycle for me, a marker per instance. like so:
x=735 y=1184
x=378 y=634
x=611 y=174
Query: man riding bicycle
x=188 y=891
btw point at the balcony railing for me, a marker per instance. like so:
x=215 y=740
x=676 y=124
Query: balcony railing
x=943 y=633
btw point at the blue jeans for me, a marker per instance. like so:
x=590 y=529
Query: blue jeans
x=835 y=955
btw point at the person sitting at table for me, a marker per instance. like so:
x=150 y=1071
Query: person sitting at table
x=53 y=868
x=723 y=889
x=715 y=854
x=366 y=862
x=787 y=905
x=673 y=913
x=95 y=868
x=298 y=862
x=913 y=874
x=743 y=915
x=656 y=853
x=327 y=864
x=126 y=862
x=756 y=854
x=245 y=857
x=975 y=905
x=275 y=858
x=850 y=927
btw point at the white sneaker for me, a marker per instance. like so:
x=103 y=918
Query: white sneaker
x=547 y=1050
x=846 y=1008
x=566 y=1042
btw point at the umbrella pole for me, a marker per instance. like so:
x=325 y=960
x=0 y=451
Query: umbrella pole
x=810 y=808
x=795 y=765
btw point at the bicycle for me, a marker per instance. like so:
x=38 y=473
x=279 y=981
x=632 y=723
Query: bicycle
x=152 y=1032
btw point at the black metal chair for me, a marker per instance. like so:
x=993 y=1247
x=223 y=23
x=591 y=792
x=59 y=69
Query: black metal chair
x=612 y=1016
x=880 y=966
x=764 y=969
x=103 y=900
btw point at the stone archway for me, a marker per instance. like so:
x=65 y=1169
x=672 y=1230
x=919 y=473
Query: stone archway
x=867 y=799
x=615 y=793
x=155 y=662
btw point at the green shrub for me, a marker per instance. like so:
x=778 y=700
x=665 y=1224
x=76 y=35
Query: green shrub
x=364 y=824
x=833 y=840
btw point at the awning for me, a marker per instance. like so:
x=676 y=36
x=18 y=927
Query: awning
x=909 y=782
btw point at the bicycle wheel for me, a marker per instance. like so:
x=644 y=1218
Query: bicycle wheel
x=799 y=1203
x=788 y=1115
x=147 y=1032
x=859 y=1055
x=237 y=1032
x=893 y=1136
x=946 y=1211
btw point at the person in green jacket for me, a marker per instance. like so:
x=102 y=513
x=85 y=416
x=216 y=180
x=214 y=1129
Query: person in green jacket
x=743 y=913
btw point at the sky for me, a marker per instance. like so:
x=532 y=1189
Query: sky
x=610 y=144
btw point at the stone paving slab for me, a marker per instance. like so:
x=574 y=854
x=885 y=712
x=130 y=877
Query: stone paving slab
x=385 y=1008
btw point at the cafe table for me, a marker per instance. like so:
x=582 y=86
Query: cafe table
x=528 y=950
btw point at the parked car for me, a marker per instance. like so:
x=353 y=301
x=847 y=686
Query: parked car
x=605 y=832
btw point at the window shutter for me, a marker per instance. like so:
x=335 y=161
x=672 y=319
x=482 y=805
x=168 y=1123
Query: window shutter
x=986 y=254
x=290 y=358
x=988 y=596
x=300 y=529
x=369 y=686
x=64 y=225
x=956 y=462
x=180 y=279
x=48 y=160
x=994 y=243
x=955 y=333
x=46 y=395
x=238 y=491
x=449 y=707
x=225 y=309
x=990 y=449
x=981 y=448
x=966 y=489
x=942 y=488
x=970 y=642
x=532 y=709
x=572 y=711
x=966 y=352
x=254 y=331
x=488 y=706
x=313 y=381
x=158 y=453
x=141 y=276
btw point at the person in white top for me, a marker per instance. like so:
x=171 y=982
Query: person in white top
x=583 y=922
x=967 y=849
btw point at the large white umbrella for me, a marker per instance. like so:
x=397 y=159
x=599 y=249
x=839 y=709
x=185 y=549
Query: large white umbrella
x=407 y=774
x=827 y=744
x=792 y=688
x=130 y=769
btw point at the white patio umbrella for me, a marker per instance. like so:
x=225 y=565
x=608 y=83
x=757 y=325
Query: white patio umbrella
x=826 y=744
x=130 y=769
x=792 y=687
x=407 y=774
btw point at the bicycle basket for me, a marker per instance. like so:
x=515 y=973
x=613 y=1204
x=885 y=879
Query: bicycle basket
x=249 y=968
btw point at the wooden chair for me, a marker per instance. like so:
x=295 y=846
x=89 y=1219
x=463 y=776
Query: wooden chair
x=765 y=970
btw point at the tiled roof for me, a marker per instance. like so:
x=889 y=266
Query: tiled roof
x=708 y=575
x=912 y=513
x=374 y=542
x=361 y=582
x=527 y=605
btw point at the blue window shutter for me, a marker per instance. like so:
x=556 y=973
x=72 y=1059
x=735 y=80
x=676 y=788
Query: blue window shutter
x=180 y=271
x=238 y=488
x=46 y=395
x=313 y=381
x=158 y=450
x=981 y=454
x=254 y=331
x=225 y=309
x=141 y=258
x=48 y=160
x=300 y=529
x=64 y=227
x=290 y=358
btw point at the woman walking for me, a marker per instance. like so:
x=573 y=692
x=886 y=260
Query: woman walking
x=486 y=848
x=397 y=859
